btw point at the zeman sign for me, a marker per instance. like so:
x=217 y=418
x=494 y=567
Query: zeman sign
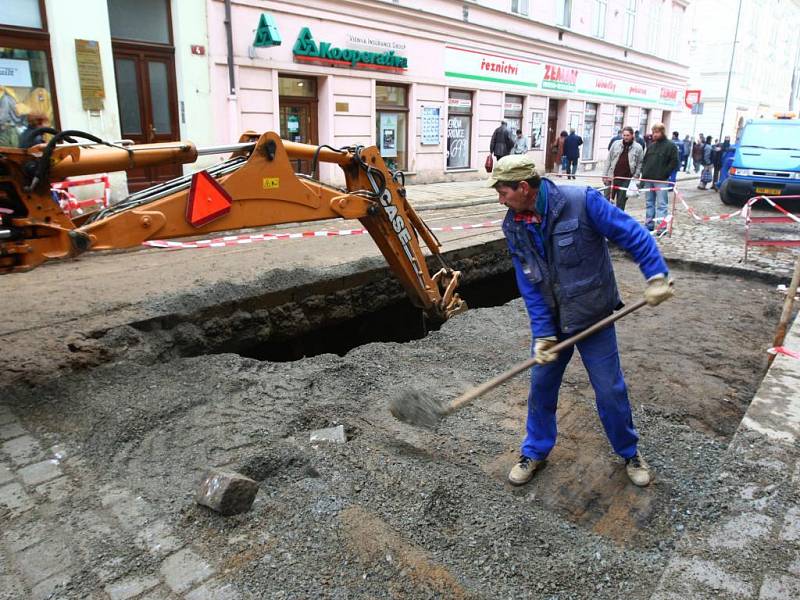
x=306 y=50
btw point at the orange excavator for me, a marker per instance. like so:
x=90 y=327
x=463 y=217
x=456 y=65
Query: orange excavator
x=255 y=187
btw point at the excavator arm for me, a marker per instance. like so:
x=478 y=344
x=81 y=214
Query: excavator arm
x=258 y=182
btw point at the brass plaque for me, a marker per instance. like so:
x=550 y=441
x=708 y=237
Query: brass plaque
x=90 y=74
x=342 y=107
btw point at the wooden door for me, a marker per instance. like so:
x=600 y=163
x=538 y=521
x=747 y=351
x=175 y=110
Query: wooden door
x=552 y=138
x=148 y=106
x=298 y=120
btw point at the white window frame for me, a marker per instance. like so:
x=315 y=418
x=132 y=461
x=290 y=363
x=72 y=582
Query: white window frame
x=519 y=7
x=630 y=22
x=655 y=26
x=600 y=11
x=564 y=13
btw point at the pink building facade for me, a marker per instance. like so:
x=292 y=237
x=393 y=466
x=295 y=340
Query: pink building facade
x=428 y=82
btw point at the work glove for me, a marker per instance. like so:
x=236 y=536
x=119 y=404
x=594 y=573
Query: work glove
x=541 y=350
x=659 y=288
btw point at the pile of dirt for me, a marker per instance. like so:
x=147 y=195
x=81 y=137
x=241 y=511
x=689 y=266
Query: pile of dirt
x=403 y=512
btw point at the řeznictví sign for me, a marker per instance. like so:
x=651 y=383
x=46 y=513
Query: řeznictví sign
x=306 y=50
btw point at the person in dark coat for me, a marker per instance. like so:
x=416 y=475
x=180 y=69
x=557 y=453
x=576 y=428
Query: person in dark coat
x=502 y=141
x=660 y=160
x=572 y=150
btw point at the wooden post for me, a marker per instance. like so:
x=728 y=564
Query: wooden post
x=780 y=333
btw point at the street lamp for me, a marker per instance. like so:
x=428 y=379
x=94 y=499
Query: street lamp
x=730 y=70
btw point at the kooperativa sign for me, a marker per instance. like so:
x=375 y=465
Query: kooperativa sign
x=307 y=50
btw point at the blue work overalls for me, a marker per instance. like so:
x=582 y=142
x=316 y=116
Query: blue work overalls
x=567 y=285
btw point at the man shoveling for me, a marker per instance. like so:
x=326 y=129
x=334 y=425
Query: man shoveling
x=557 y=238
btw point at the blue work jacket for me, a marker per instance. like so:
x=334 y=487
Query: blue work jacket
x=563 y=267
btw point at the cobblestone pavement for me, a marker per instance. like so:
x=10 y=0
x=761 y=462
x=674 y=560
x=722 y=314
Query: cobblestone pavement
x=50 y=542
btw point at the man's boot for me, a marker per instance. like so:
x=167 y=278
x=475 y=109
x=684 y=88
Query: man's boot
x=522 y=472
x=638 y=470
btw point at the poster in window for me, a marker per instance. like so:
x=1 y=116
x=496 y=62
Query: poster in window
x=458 y=131
x=430 y=126
x=388 y=137
x=537 y=130
x=16 y=73
x=574 y=121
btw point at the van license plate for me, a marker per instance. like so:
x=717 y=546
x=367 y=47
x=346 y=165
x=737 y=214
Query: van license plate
x=768 y=191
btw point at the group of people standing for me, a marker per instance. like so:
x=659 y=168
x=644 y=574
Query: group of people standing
x=504 y=142
x=705 y=156
x=656 y=166
x=654 y=160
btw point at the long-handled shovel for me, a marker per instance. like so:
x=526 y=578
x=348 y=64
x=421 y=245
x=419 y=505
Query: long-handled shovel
x=415 y=408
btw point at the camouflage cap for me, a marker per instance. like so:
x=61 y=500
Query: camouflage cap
x=514 y=167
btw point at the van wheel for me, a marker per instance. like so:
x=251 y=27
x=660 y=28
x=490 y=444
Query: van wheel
x=724 y=196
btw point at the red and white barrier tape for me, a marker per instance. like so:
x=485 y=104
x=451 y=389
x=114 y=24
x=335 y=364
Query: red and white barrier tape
x=780 y=209
x=239 y=240
x=785 y=351
x=704 y=218
x=742 y=211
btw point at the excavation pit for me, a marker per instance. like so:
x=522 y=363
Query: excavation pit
x=402 y=511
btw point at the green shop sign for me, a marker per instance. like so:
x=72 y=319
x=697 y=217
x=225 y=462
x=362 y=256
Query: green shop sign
x=306 y=50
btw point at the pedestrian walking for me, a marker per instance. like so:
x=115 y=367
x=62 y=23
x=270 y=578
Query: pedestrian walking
x=557 y=239
x=502 y=141
x=562 y=158
x=659 y=161
x=687 y=152
x=697 y=153
x=638 y=138
x=520 y=144
x=707 y=163
x=676 y=139
x=718 y=155
x=572 y=150
x=624 y=163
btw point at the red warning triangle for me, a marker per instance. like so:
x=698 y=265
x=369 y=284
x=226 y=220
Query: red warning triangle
x=207 y=200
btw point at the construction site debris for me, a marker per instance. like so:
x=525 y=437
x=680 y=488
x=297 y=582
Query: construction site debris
x=335 y=435
x=226 y=492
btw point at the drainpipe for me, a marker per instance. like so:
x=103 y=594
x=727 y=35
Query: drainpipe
x=233 y=108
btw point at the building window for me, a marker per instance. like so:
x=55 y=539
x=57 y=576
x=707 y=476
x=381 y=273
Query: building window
x=459 y=129
x=391 y=104
x=143 y=20
x=21 y=13
x=655 y=27
x=619 y=119
x=600 y=7
x=675 y=34
x=644 y=117
x=519 y=7
x=26 y=80
x=589 y=123
x=512 y=113
x=630 y=21
x=563 y=12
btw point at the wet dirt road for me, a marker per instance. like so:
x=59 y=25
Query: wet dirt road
x=398 y=512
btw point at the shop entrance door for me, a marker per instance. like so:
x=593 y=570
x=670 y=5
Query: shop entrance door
x=552 y=136
x=299 y=124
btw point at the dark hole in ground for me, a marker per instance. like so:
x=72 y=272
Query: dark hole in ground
x=398 y=322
